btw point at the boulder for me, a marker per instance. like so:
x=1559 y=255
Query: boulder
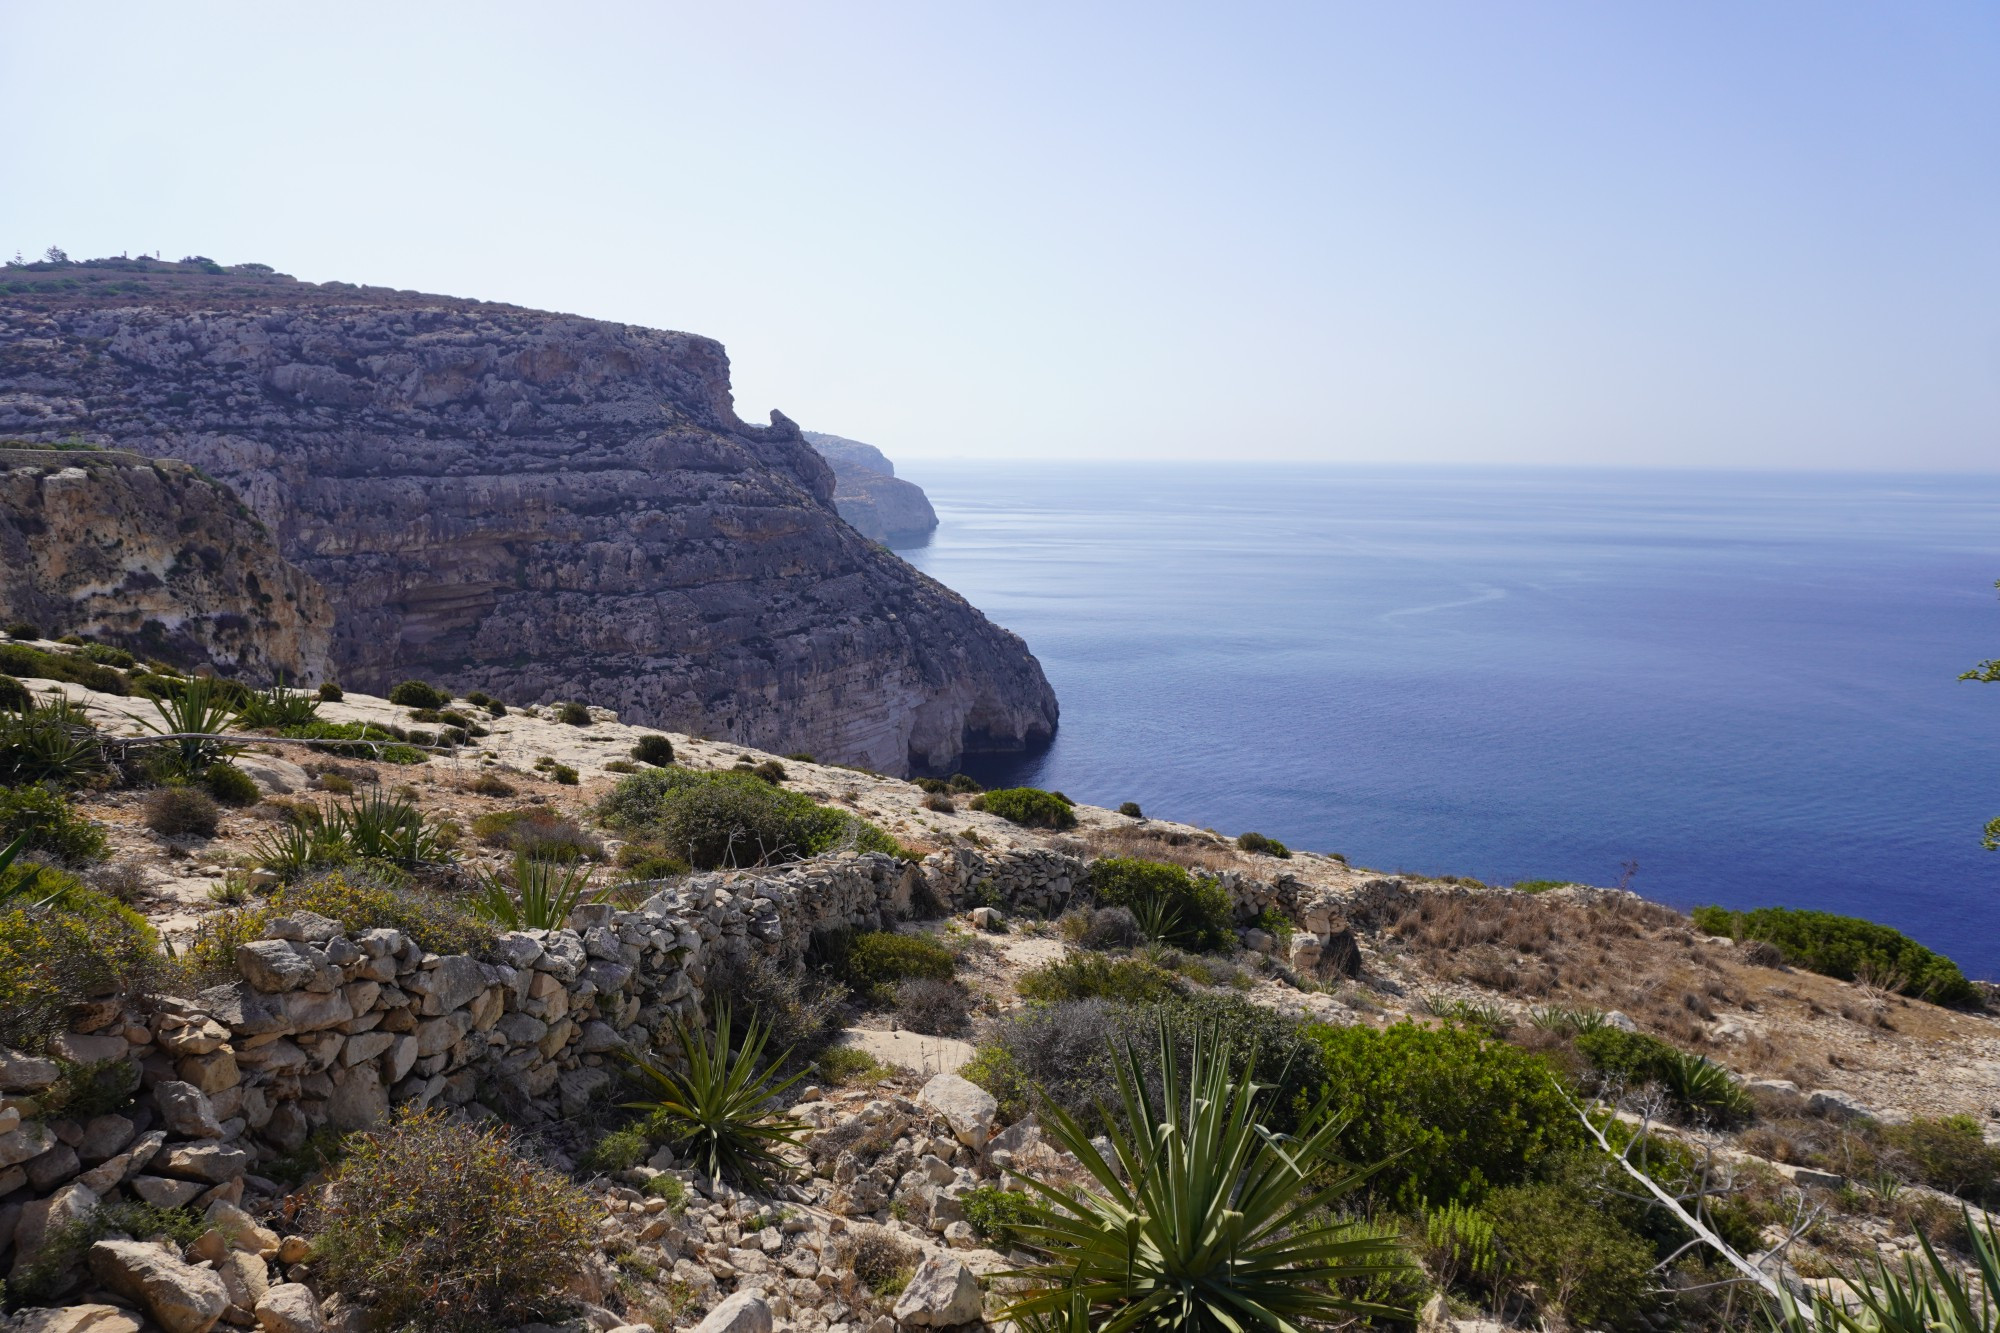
x=41 y=1216
x=289 y=1308
x=180 y=1297
x=944 y=1292
x=25 y=1073
x=744 y=1312
x=185 y=1110
x=1835 y=1105
x=212 y=1162
x=970 y=1109
x=25 y=1144
x=274 y=966
x=164 y=1193
x=73 y=1319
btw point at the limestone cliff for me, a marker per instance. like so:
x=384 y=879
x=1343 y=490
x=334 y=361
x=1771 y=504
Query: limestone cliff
x=156 y=558
x=877 y=503
x=537 y=505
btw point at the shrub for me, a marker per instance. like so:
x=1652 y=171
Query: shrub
x=174 y=812
x=368 y=741
x=1092 y=976
x=1105 y=928
x=330 y=693
x=1583 y=1269
x=620 y=1150
x=42 y=816
x=337 y=783
x=573 y=714
x=52 y=742
x=1632 y=1057
x=1193 y=913
x=1030 y=807
x=994 y=1213
x=538 y=831
x=1846 y=947
x=23 y=629
x=770 y=771
x=732 y=819
x=1949 y=1153
x=62 y=943
x=1205 y=1221
x=874 y=962
x=20 y=660
x=490 y=784
x=418 y=694
x=447 y=1225
x=563 y=775
x=14 y=695
x=230 y=785
x=800 y=1011
x=655 y=750
x=66 y=1245
x=1260 y=845
x=1465 y=1113
x=883 y=1260
x=935 y=1008
x=82 y=1091
x=719 y=1111
x=940 y=804
x=844 y=1065
x=1131 y=810
x=644 y=860
x=671 y=1189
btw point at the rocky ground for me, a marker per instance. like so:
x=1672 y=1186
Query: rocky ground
x=892 y=1154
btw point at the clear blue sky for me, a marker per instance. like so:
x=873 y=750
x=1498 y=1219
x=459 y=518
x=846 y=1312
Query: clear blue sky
x=1684 y=233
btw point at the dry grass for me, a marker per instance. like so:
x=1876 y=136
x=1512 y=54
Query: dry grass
x=1606 y=953
x=1196 y=851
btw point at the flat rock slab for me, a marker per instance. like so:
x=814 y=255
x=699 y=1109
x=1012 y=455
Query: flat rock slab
x=910 y=1050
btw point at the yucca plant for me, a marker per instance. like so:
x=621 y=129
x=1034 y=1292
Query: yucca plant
x=1572 y=1022
x=51 y=742
x=1158 y=920
x=279 y=707
x=1488 y=1018
x=1199 y=1218
x=387 y=828
x=538 y=895
x=1927 y=1296
x=719 y=1111
x=306 y=844
x=196 y=716
x=1702 y=1086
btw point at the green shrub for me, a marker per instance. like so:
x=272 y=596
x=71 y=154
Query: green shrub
x=1465 y=1113
x=994 y=1068
x=82 y=1091
x=368 y=741
x=446 y=1225
x=14 y=695
x=491 y=784
x=934 y=1008
x=1846 y=947
x=993 y=1214
x=56 y=1269
x=845 y=1065
x=174 y=812
x=330 y=693
x=1192 y=913
x=18 y=659
x=874 y=962
x=24 y=629
x=1580 y=1268
x=573 y=714
x=418 y=694
x=620 y=1150
x=62 y=943
x=538 y=831
x=1949 y=1153
x=671 y=1189
x=655 y=750
x=1632 y=1057
x=1088 y=976
x=733 y=819
x=563 y=774
x=770 y=771
x=51 y=827
x=1131 y=810
x=354 y=899
x=1030 y=807
x=1260 y=845
x=231 y=785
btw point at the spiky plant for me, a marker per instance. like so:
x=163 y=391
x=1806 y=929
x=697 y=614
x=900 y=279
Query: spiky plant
x=1200 y=1218
x=539 y=894
x=50 y=742
x=1158 y=920
x=196 y=715
x=1703 y=1087
x=720 y=1111
x=293 y=849
x=1929 y=1295
x=279 y=707
x=388 y=828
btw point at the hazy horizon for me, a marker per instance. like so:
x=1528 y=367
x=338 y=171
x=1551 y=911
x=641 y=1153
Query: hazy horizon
x=1554 y=235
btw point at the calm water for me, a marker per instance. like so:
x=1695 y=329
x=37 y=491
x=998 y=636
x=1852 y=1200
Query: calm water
x=1743 y=683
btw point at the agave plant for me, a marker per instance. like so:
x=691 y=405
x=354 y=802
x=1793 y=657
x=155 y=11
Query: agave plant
x=51 y=742
x=387 y=828
x=1931 y=1296
x=1158 y=919
x=1199 y=1218
x=195 y=717
x=1703 y=1087
x=719 y=1111
x=280 y=707
x=541 y=895
x=295 y=848
x=1570 y=1022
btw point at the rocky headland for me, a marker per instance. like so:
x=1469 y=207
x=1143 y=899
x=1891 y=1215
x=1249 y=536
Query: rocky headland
x=535 y=504
x=870 y=496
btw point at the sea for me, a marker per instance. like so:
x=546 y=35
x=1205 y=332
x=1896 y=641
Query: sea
x=1713 y=687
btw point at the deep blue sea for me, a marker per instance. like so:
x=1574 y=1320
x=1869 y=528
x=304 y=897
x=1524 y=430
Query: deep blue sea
x=1743 y=683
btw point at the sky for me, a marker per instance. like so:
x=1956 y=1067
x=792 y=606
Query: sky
x=1689 y=234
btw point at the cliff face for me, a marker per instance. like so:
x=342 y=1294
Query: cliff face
x=156 y=558
x=869 y=495
x=536 y=505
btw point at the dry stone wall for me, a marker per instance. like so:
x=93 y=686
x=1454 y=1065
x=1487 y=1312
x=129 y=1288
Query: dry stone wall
x=330 y=1029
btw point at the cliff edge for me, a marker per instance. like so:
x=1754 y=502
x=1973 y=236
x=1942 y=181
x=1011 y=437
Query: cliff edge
x=537 y=505
x=877 y=503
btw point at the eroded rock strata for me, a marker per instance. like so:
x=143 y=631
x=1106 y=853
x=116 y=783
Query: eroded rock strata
x=537 y=505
